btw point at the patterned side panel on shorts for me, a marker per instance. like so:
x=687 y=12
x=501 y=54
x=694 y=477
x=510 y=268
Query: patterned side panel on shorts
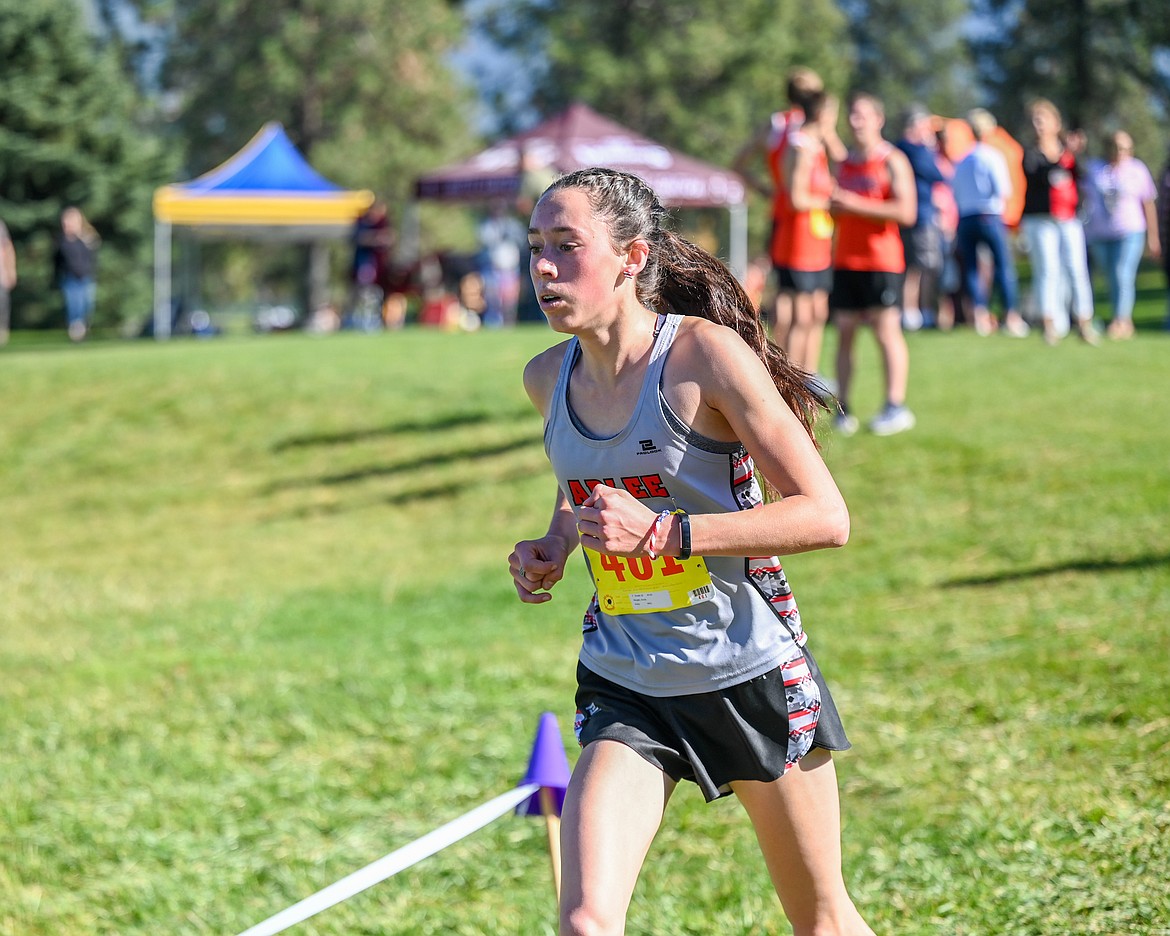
x=582 y=716
x=804 y=708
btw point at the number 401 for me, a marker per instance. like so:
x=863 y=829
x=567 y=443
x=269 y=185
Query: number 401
x=640 y=567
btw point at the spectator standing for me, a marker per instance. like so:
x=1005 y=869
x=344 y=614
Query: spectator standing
x=1122 y=222
x=947 y=213
x=370 y=286
x=7 y=281
x=769 y=146
x=75 y=269
x=501 y=236
x=982 y=186
x=803 y=246
x=1164 y=229
x=922 y=241
x=875 y=195
x=1055 y=235
x=536 y=174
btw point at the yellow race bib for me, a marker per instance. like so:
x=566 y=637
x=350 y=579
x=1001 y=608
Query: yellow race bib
x=639 y=584
x=820 y=224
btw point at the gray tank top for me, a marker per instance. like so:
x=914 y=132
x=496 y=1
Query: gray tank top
x=750 y=624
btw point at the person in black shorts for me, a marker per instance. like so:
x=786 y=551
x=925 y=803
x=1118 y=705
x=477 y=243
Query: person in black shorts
x=694 y=663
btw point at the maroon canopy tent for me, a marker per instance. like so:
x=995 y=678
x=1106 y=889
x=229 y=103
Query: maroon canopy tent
x=580 y=137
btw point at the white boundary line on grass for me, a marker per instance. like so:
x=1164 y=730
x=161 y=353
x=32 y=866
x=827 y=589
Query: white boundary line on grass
x=394 y=862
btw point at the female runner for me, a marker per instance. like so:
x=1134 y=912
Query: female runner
x=693 y=662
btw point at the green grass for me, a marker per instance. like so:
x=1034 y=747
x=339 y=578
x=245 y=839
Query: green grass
x=256 y=631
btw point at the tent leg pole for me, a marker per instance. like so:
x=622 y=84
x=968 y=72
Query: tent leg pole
x=738 y=240
x=162 y=281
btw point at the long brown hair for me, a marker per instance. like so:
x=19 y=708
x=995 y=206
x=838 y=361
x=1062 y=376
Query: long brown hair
x=683 y=278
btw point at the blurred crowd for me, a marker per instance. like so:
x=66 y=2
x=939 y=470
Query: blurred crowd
x=931 y=224
x=483 y=287
x=924 y=224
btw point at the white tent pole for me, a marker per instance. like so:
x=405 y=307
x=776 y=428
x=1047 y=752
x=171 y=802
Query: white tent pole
x=738 y=240
x=162 y=280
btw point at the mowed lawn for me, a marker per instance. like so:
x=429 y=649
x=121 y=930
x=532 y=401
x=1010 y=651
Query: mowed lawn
x=257 y=630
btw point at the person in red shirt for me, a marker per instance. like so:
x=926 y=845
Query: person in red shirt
x=769 y=146
x=1056 y=238
x=803 y=244
x=875 y=195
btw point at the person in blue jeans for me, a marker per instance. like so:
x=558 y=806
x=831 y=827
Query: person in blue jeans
x=75 y=268
x=1163 y=226
x=982 y=186
x=1122 y=224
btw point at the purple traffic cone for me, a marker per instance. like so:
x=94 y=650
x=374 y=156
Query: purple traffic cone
x=548 y=766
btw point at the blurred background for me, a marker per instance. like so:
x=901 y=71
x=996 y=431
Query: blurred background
x=106 y=101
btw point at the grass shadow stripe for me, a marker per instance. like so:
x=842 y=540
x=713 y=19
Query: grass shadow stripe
x=351 y=436
x=1059 y=568
x=405 y=466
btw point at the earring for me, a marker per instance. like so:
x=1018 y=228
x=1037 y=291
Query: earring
x=628 y=273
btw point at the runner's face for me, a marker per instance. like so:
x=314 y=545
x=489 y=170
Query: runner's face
x=575 y=270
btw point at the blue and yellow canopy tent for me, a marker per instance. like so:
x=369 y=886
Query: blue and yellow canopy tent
x=267 y=191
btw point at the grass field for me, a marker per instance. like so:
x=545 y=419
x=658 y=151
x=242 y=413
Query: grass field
x=256 y=631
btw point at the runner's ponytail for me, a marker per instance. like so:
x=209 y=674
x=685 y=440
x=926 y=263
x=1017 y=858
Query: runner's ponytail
x=695 y=283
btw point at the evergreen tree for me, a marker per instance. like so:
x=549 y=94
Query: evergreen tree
x=1102 y=62
x=362 y=86
x=699 y=76
x=702 y=77
x=70 y=134
x=909 y=51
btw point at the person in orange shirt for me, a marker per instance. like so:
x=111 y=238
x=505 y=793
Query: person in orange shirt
x=769 y=146
x=803 y=245
x=875 y=195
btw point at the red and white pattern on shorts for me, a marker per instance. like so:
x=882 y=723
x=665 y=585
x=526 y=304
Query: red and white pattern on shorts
x=804 y=708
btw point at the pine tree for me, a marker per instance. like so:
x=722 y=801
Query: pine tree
x=702 y=77
x=699 y=76
x=910 y=51
x=1102 y=62
x=362 y=87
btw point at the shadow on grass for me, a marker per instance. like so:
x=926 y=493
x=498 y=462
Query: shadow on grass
x=451 y=421
x=409 y=466
x=428 y=492
x=438 y=424
x=433 y=492
x=1059 y=568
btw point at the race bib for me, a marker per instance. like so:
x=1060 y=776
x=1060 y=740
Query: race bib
x=639 y=584
x=820 y=224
